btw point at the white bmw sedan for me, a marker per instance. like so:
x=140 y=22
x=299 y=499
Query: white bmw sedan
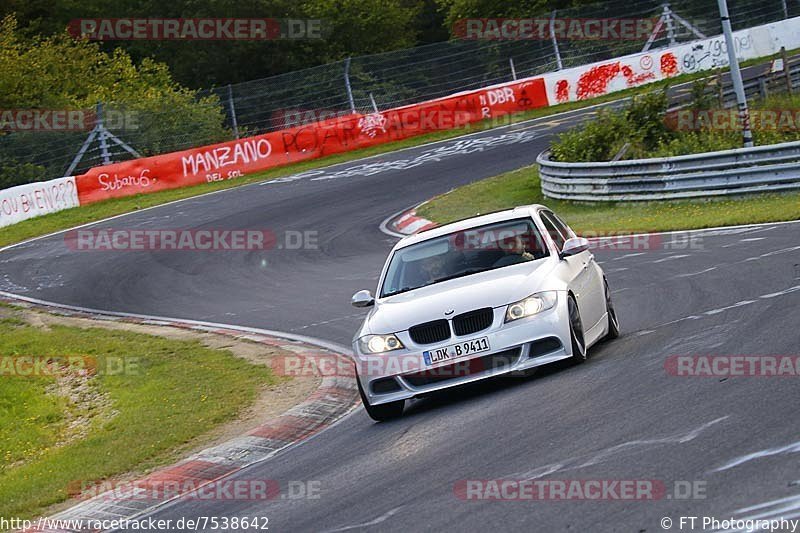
x=489 y=295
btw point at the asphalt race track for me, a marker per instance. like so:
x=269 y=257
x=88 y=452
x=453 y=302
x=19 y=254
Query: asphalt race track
x=620 y=416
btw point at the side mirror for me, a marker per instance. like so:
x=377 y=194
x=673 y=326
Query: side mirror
x=362 y=299
x=574 y=246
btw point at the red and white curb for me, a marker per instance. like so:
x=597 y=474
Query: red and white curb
x=335 y=397
x=409 y=223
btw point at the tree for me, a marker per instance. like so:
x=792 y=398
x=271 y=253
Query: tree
x=62 y=73
x=354 y=27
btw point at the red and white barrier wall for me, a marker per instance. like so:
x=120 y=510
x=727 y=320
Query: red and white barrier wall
x=235 y=158
x=36 y=199
x=232 y=159
x=589 y=81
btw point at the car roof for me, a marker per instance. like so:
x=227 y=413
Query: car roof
x=471 y=222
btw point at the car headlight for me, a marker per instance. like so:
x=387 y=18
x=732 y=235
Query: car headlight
x=379 y=343
x=541 y=301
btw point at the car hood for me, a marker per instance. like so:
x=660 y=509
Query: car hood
x=493 y=288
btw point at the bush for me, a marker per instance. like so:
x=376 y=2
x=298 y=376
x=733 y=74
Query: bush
x=642 y=126
x=60 y=72
x=701 y=97
x=13 y=173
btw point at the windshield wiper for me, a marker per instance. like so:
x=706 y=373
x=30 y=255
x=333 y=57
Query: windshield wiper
x=460 y=274
x=437 y=280
x=398 y=291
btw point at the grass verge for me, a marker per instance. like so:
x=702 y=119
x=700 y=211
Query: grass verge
x=94 y=212
x=521 y=187
x=150 y=398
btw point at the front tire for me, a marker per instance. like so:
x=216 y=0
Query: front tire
x=382 y=412
x=576 y=332
x=613 y=320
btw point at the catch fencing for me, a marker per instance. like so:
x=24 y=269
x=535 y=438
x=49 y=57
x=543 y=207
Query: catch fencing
x=361 y=85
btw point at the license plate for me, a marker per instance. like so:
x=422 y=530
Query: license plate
x=454 y=351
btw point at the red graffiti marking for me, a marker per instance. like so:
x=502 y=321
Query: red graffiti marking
x=632 y=78
x=562 y=91
x=594 y=82
x=669 y=64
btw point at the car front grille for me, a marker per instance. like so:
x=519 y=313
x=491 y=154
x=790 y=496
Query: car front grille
x=473 y=321
x=430 y=332
x=459 y=370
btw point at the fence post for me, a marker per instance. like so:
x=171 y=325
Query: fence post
x=762 y=87
x=513 y=70
x=102 y=135
x=347 y=85
x=736 y=74
x=232 y=109
x=787 y=73
x=670 y=25
x=785 y=9
x=555 y=41
x=374 y=105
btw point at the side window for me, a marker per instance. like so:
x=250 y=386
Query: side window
x=552 y=230
x=561 y=225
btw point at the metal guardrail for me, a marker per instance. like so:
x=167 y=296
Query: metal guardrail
x=727 y=172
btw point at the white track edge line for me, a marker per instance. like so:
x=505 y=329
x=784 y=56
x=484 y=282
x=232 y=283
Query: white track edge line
x=332 y=346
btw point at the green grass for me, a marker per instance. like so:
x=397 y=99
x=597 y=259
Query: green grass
x=137 y=419
x=521 y=187
x=94 y=212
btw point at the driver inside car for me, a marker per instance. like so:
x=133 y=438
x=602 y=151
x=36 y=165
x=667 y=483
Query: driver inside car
x=516 y=252
x=433 y=267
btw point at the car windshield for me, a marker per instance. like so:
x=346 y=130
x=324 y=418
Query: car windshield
x=463 y=253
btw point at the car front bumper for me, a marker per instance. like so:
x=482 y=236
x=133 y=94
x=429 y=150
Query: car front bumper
x=515 y=346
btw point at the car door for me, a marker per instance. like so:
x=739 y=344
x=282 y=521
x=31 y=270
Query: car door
x=570 y=268
x=594 y=300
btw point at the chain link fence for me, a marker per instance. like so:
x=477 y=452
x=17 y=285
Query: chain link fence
x=359 y=84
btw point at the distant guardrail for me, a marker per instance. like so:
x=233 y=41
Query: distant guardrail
x=728 y=172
